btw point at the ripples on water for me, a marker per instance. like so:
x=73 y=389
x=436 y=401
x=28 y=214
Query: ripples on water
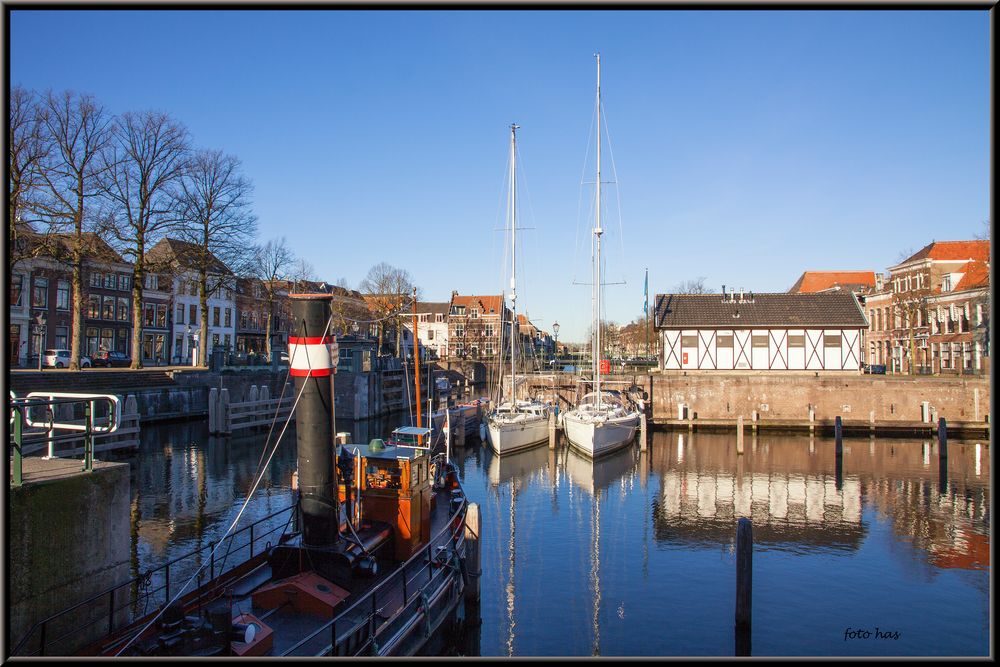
x=635 y=554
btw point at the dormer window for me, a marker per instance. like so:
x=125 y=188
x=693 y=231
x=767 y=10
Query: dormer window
x=458 y=310
x=474 y=313
x=946 y=283
x=439 y=318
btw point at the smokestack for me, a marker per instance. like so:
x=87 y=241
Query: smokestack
x=723 y=293
x=741 y=295
x=311 y=361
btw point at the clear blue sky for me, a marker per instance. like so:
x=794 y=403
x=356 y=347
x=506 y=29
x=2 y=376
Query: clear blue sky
x=748 y=146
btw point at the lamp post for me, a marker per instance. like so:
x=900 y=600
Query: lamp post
x=555 y=332
x=40 y=330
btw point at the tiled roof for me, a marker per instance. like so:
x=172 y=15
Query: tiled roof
x=953 y=250
x=817 y=281
x=433 y=307
x=825 y=309
x=183 y=254
x=977 y=274
x=487 y=305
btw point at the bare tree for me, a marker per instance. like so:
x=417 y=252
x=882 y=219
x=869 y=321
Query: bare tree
x=388 y=291
x=28 y=145
x=80 y=132
x=147 y=156
x=985 y=233
x=695 y=286
x=302 y=273
x=213 y=213
x=272 y=267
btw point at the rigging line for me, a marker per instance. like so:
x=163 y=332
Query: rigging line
x=618 y=196
x=239 y=515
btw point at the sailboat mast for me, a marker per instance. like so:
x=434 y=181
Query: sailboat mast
x=513 y=265
x=597 y=264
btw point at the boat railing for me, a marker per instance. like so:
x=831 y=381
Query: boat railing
x=139 y=597
x=35 y=418
x=365 y=627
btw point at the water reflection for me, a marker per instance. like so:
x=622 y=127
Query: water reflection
x=632 y=554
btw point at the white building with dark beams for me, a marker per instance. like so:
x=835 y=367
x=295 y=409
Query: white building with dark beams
x=772 y=332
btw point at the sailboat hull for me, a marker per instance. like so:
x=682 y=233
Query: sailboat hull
x=524 y=432
x=595 y=438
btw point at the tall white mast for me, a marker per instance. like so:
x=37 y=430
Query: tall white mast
x=513 y=264
x=597 y=238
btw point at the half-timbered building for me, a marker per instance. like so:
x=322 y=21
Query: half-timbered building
x=770 y=332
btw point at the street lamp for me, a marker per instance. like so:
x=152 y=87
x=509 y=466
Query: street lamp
x=40 y=330
x=555 y=332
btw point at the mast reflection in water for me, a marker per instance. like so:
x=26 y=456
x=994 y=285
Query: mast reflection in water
x=634 y=554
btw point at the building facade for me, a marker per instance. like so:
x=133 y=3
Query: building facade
x=772 y=332
x=476 y=326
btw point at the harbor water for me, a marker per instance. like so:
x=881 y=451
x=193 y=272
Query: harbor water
x=635 y=554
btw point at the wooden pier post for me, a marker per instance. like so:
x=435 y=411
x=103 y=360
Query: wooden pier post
x=744 y=585
x=552 y=429
x=213 y=410
x=643 y=432
x=472 y=547
x=224 y=422
x=812 y=420
x=739 y=434
x=942 y=456
x=838 y=434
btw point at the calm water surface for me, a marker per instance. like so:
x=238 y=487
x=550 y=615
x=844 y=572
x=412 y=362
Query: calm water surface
x=635 y=554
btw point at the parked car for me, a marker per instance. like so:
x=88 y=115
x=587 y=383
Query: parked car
x=60 y=359
x=875 y=369
x=109 y=358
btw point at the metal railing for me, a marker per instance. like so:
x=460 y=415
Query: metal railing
x=420 y=579
x=150 y=590
x=38 y=411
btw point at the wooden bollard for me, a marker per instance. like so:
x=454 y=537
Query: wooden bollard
x=213 y=410
x=552 y=429
x=812 y=421
x=739 y=434
x=744 y=579
x=643 y=433
x=942 y=439
x=472 y=545
x=224 y=422
x=838 y=435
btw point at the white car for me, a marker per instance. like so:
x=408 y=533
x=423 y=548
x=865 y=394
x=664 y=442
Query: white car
x=60 y=359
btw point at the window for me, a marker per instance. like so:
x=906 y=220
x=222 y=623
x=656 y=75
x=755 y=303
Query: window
x=124 y=283
x=95 y=279
x=152 y=281
x=122 y=345
x=180 y=314
x=108 y=308
x=439 y=318
x=215 y=340
x=62 y=296
x=758 y=341
x=193 y=312
x=458 y=310
x=689 y=341
x=161 y=315
x=422 y=318
x=831 y=340
x=215 y=316
x=94 y=307
x=459 y=330
x=40 y=293
x=979 y=314
x=226 y=340
x=724 y=341
x=148 y=314
x=488 y=330
x=796 y=340
x=91 y=340
x=16 y=286
x=107 y=339
x=123 y=309
x=229 y=317
x=110 y=280
x=474 y=313
x=460 y=349
x=178 y=345
x=946 y=283
x=62 y=337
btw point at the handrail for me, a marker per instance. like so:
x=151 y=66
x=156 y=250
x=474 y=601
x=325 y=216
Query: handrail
x=114 y=407
x=424 y=555
x=164 y=567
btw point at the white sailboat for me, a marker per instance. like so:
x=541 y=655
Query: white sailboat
x=515 y=425
x=604 y=421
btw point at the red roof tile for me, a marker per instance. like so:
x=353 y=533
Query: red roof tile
x=487 y=305
x=817 y=281
x=953 y=250
x=977 y=274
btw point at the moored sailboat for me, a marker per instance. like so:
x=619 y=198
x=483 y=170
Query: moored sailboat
x=515 y=425
x=604 y=421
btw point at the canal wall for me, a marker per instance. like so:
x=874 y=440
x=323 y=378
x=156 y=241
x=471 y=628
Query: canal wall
x=786 y=400
x=67 y=539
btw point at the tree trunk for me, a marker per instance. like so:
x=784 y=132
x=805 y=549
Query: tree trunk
x=203 y=304
x=77 y=298
x=270 y=323
x=138 y=271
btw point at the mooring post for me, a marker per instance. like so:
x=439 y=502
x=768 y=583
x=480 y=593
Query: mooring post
x=225 y=419
x=472 y=546
x=838 y=434
x=942 y=456
x=812 y=420
x=739 y=434
x=744 y=584
x=643 y=432
x=552 y=429
x=213 y=410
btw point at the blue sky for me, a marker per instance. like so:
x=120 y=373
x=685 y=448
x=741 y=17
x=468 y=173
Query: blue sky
x=747 y=146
